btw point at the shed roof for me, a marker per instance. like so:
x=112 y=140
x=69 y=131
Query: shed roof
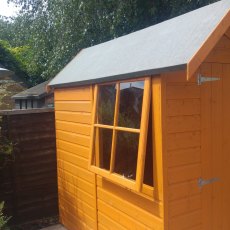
x=174 y=44
x=35 y=92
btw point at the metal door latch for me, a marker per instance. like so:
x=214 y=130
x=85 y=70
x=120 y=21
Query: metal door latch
x=202 y=182
x=201 y=79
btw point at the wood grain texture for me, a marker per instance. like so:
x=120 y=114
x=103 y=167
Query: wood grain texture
x=28 y=183
x=183 y=150
x=84 y=201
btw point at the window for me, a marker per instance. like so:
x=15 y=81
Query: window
x=120 y=132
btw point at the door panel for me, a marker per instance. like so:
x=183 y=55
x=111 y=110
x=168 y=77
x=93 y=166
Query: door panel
x=206 y=149
x=215 y=107
x=226 y=147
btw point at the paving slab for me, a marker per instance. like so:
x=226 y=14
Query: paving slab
x=55 y=227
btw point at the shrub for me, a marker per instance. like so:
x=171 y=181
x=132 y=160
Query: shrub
x=3 y=219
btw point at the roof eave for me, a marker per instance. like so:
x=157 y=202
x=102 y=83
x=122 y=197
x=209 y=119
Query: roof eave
x=37 y=97
x=126 y=76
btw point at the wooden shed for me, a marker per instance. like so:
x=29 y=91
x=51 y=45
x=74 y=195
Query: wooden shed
x=143 y=128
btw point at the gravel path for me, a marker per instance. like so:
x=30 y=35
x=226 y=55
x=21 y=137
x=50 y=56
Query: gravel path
x=55 y=227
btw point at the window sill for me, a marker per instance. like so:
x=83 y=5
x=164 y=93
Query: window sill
x=146 y=191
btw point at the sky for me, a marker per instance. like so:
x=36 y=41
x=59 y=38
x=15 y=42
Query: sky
x=7 y=9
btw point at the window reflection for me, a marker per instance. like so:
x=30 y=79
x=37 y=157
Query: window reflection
x=103 y=143
x=106 y=104
x=131 y=97
x=126 y=154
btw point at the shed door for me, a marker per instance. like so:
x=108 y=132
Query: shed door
x=215 y=140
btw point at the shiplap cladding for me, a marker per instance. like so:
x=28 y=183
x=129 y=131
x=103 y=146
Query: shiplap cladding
x=183 y=150
x=87 y=201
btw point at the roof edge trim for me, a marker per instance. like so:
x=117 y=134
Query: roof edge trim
x=29 y=96
x=197 y=59
x=120 y=77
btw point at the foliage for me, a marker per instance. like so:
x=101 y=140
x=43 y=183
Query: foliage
x=55 y=31
x=6 y=146
x=11 y=61
x=3 y=220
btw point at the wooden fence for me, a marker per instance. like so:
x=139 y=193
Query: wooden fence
x=28 y=184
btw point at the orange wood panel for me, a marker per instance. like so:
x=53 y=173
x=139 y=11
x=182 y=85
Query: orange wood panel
x=72 y=158
x=183 y=190
x=206 y=147
x=73 y=94
x=73 y=148
x=165 y=184
x=184 y=157
x=101 y=226
x=184 y=222
x=215 y=128
x=224 y=41
x=184 y=173
x=73 y=106
x=183 y=140
x=78 y=193
x=183 y=134
x=73 y=138
x=186 y=205
x=143 y=134
x=133 y=211
x=75 y=170
x=157 y=137
x=177 y=77
x=77 y=117
x=151 y=206
x=183 y=107
x=217 y=152
x=77 y=182
x=183 y=91
x=178 y=124
x=72 y=127
x=226 y=146
x=110 y=224
x=73 y=222
x=221 y=55
x=120 y=217
x=198 y=227
x=77 y=208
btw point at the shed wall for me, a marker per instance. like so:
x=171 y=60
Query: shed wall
x=182 y=135
x=87 y=201
x=187 y=116
x=76 y=185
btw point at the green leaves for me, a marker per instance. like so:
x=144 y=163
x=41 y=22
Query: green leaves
x=3 y=220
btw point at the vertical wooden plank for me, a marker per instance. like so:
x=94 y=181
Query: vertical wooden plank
x=114 y=140
x=160 y=151
x=206 y=156
x=217 y=155
x=157 y=137
x=93 y=105
x=92 y=153
x=226 y=146
x=143 y=134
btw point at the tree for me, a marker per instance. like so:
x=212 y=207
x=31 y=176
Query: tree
x=55 y=31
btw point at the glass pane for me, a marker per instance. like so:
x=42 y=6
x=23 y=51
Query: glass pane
x=131 y=97
x=106 y=104
x=126 y=154
x=103 y=143
x=148 y=173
